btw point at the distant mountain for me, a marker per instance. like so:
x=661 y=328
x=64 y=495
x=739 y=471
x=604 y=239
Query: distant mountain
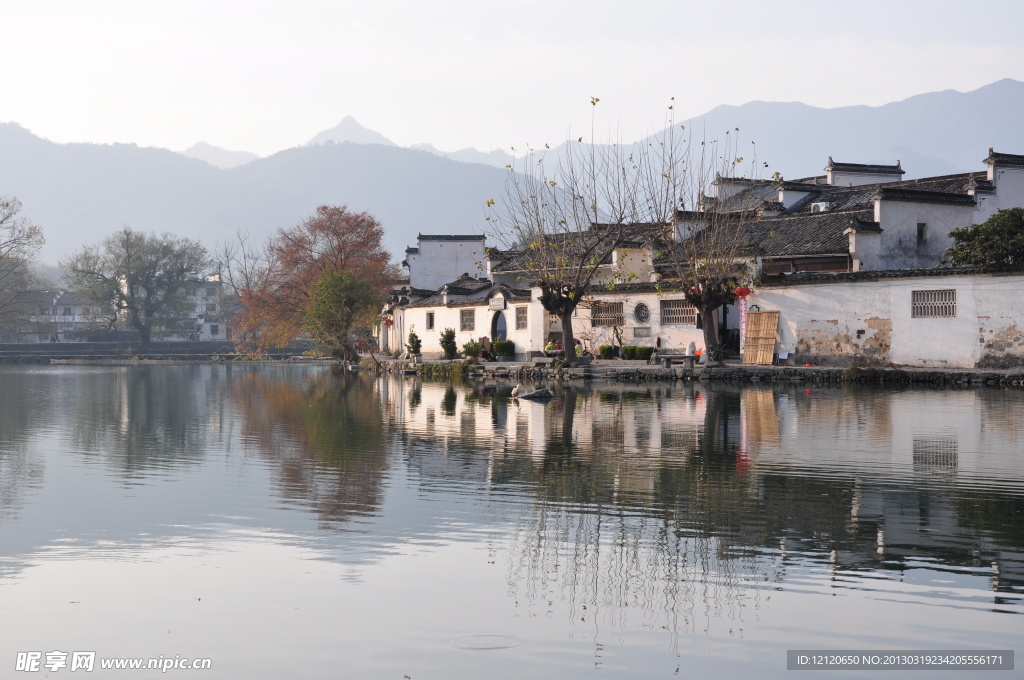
x=218 y=157
x=497 y=157
x=81 y=193
x=349 y=130
x=930 y=134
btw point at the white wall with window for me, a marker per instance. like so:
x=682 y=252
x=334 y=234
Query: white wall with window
x=937 y=321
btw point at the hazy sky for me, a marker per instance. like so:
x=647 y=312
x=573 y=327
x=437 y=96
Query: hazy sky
x=262 y=76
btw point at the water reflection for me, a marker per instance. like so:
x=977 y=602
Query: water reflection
x=740 y=485
x=323 y=436
x=718 y=524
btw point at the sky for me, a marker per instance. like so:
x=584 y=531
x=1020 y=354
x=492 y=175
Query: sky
x=262 y=76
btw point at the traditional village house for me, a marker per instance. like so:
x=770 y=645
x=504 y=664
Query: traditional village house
x=834 y=254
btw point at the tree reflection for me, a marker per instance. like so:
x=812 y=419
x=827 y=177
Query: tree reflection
x=143 y=417
x=23 y=408
x=667 y=503
x=323 y=434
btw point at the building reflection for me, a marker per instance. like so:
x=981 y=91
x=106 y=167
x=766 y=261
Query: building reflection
x=724 y=490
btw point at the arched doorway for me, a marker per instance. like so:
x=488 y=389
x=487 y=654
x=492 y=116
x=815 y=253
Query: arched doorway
x=499 y=329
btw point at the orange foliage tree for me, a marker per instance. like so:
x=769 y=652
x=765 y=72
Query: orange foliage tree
x=275 y=294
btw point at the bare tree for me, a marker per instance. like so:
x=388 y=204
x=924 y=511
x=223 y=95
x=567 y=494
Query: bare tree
x=150 y=280
x=707 y=252
x=562 y=226
x=20 y=241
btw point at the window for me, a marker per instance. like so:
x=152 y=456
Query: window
x=606 y=314
x=210 y=307
x=933 y=304
x=214 y=329
x=67 y=311
x=467 y=319
x=678 y=312
x=211 y=292
x=430 y=321
x=642 y=314
x=922 y=232
x=521 y=318
x=44 y=311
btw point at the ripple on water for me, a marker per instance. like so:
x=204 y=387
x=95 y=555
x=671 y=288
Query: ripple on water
x=479 y=643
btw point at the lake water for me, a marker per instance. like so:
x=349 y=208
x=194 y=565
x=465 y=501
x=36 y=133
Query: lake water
x=298 y=522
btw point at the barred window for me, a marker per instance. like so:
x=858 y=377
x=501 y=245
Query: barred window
x=430 y=321
x=678 y=312
x=932 y=304
x=642 y=314
x=521 y=318
x=467 y=319
x=606 y=314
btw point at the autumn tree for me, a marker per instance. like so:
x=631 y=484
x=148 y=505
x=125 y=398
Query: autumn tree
x=561 y=225
x=20 y=241
x=275 y=285
x=995 y=244
x=150 y=281
x=339 y=302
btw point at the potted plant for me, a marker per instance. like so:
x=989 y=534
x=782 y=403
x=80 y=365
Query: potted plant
x=414 y=345
x=471 y=349
x=504 y=350
x=448 y=343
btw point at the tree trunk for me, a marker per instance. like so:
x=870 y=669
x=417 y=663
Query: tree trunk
x=568 y=341
x=712 y=344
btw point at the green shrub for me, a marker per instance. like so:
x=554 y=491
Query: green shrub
x=414 y=343
x=448 y=343
x=629 y=352
x=471 y=349
x=607 y=351
x=644 y=353
x=504 y=348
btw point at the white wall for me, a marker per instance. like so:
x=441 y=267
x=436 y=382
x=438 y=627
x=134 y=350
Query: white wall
x=899 y=247
x=441 y=262
x=1009 y=181
x=821 y=321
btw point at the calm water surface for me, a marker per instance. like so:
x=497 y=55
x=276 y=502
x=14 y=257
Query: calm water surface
x=296 y=522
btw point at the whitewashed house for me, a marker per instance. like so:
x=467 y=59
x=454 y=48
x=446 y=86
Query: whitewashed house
x=845 y=258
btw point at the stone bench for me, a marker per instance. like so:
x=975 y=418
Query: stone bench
x=687 y=360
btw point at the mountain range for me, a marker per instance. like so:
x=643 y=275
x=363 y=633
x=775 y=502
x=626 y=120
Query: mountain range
x=80 y=193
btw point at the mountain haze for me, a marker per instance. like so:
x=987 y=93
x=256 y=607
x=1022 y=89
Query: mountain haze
x=81 y=193
x=349 y=130
x=218 y=157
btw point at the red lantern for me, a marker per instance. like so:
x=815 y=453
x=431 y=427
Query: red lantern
x=743 y=291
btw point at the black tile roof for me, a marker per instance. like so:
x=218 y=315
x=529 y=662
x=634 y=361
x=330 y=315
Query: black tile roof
x=805 y=234
x=451 y=237
x=923 y=196
x=865 y=168
x=871 y=275
x=1003 y=158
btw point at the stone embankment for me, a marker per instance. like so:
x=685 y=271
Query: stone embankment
x=635 y=371
x=121 y=352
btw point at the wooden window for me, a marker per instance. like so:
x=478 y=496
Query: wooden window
x=933 y=304
x=678 y=312
x=606 y=314
x=430 y=321
x=467 y=319
x=521 y=318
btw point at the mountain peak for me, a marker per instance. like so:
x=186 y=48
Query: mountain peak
x=218 y=157
x=349 y=130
